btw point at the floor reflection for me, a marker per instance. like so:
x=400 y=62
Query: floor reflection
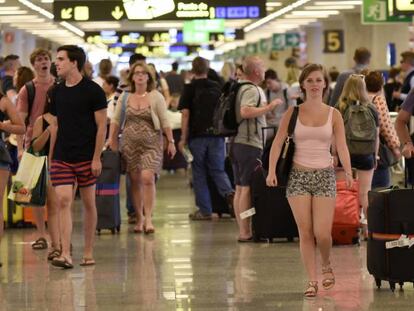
x=184 y=266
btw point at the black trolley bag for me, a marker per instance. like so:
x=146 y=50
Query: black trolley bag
x=273 y=218
x=390 y=215
x=107 y=192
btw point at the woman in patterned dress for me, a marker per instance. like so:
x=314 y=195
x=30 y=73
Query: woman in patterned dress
x=375 y=82
x=142 y=140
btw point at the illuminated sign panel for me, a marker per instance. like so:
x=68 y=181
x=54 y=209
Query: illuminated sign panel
x=138 y=37
x=157 y=10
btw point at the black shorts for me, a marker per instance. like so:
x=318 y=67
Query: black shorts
x=363 y=162
x=244 y=161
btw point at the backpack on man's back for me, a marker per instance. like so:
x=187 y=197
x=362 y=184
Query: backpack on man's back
x=360 y=128
x=206 y=96
x=225 y=117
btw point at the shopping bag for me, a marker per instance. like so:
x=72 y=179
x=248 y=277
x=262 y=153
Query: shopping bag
x=40 y=190
x=27 y=177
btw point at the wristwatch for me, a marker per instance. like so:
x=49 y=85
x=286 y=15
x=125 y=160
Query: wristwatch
x=172 y=141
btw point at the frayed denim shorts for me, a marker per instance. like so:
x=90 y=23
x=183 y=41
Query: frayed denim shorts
x=317 y=183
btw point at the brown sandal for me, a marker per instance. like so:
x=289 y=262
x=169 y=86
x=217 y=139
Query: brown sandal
x=329 y=281
x=39 y=244
x=54 y=254
x=312 y=289
x=87 y=262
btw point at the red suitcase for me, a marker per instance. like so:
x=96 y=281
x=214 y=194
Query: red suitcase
x=346 y=224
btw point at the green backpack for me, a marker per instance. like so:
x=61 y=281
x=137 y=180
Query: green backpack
x=360 y=128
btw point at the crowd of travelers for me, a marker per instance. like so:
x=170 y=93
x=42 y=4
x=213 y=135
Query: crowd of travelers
x=60 y=109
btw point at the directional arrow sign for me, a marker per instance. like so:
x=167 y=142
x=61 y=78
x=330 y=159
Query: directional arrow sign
x=292 y=40
x=117 y=13
x=66 y=13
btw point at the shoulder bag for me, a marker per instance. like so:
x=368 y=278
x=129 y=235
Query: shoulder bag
x=284 y=164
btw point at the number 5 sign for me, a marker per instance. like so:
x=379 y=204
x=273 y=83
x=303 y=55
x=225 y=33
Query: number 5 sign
x=334 y=41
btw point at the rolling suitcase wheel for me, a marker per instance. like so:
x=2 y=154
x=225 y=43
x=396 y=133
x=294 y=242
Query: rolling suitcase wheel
x=118 y=229
x=378 y=283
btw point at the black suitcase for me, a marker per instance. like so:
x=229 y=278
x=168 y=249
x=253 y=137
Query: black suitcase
x=273 y=218
x=107 y=193
x=390 y=214
x=219 y=203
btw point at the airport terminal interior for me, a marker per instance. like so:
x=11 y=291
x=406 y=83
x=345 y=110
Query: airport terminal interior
x=186 y=260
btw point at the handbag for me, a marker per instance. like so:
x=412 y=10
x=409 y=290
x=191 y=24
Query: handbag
x=5 y=154
x=386 y=156
x=285 y=161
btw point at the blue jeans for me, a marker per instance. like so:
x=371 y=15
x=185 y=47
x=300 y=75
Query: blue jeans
x=381 y=178
x=209 y=156
x=129 y=203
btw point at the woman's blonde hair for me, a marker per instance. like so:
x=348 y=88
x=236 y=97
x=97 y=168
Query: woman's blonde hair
x=354 y=91
x=228 y=71
x=150 y=83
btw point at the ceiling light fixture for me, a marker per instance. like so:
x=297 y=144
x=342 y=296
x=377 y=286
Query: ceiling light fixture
x=273 y=4
x=330 y=7
x=350 y=2
x=273 y=15
x=72 y=28
x=36 y=8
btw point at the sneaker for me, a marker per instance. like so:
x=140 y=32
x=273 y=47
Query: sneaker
x=230 y=203
x=199 y=216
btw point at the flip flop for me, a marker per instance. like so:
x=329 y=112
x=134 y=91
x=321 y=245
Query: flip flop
x=40 y=244
x=53 y=254
x=87 y=262
x=65 y=264
x=248 y=240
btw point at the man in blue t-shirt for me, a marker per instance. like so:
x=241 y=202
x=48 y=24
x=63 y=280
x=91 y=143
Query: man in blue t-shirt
x=79 y=107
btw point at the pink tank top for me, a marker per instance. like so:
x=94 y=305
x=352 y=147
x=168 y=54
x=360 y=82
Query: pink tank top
x=313 y=143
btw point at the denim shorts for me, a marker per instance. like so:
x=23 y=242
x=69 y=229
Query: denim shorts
x=317 y=183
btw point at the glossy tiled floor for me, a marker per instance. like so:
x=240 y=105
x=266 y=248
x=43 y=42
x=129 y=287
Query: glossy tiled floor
x=184 y=266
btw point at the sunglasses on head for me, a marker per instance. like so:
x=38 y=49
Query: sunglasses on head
x=358 y=75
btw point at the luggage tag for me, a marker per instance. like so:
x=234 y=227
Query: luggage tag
x=401 y=242
x=248 y=213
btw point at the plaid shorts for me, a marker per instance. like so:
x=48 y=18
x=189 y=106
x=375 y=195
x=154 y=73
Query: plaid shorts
x=63 y=173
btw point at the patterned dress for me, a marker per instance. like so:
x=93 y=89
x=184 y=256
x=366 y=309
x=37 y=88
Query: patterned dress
x=141 y=145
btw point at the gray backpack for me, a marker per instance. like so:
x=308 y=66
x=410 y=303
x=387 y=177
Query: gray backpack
x=360 y=128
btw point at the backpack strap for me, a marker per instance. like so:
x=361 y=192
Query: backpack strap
x=285 y=96
x=125 y=96
x=31 y=92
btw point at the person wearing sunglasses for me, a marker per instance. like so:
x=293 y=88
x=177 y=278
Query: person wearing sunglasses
x=363 y=142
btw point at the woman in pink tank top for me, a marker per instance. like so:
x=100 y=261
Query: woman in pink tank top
x=311 y=187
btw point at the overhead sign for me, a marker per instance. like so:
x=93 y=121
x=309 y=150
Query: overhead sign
x=110 y=37
x=292 y=39
x=404 y=6
x=229 y=35
x=333 y=41
x=278 y=42
x=110 y=10
x=381 y=11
